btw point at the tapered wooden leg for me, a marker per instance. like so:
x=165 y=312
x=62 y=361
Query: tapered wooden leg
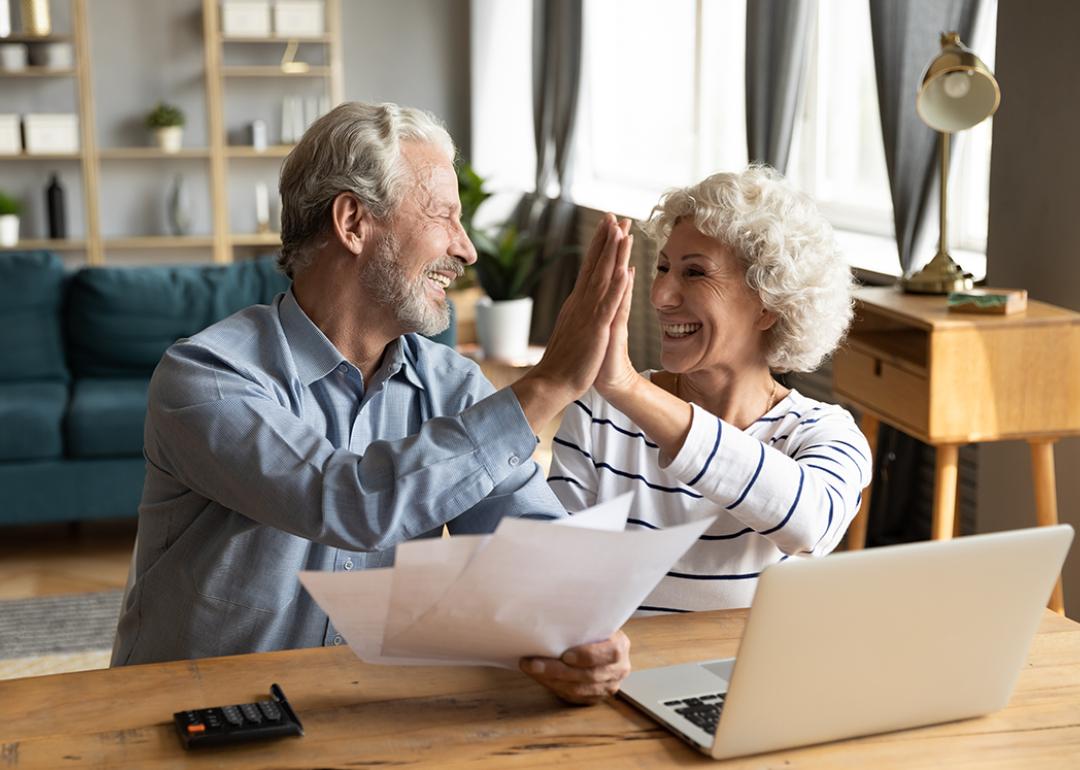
x=1042 y=472
x=941 y=526
x=856 y=534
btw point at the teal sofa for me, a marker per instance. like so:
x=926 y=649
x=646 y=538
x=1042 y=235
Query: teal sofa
x=76 y=354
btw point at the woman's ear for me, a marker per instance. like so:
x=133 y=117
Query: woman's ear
x=353 y=223
x=766 y=319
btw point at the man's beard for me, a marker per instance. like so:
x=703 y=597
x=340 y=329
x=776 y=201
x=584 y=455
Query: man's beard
x=409 y=302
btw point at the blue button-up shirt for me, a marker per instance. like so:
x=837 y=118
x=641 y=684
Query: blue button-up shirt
x=268 y=454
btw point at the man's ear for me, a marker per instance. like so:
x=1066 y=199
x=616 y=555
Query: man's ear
x=353 y=223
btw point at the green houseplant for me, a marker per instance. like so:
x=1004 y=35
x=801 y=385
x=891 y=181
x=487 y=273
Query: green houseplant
x=167 y=123
x=9 y=220
x=509 y=264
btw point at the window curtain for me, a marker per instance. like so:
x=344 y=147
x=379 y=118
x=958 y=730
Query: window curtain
x=556 y=80
x=906 y=35
x=777 y=43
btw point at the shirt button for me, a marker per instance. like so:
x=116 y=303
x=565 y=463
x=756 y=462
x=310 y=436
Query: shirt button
x=343 y=369
x=514 y=461
x=348 y=564
x=338 y=640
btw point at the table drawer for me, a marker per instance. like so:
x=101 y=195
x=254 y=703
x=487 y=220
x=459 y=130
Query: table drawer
x=882 y=386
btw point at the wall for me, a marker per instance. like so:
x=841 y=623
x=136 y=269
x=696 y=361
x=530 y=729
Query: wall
x=413 y=52
x=1034 y=237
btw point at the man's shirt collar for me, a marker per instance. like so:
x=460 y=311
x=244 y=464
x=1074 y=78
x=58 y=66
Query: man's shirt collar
x=315 y=355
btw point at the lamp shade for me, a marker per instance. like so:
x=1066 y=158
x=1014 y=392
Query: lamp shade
x=957 y=91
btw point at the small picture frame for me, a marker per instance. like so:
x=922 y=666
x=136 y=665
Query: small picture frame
x=245 y=18
x=300 y=18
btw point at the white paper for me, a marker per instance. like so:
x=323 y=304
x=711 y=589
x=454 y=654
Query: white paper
x=531 y=588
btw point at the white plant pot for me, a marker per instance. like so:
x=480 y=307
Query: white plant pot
x=502 y=328
x=9 y=230
x=170 y=139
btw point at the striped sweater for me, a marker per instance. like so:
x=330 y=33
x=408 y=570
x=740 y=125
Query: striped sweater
x=787 y=485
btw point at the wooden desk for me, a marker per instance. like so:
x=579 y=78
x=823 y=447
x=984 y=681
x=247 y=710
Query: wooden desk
x=950 y=379
x=356 y=715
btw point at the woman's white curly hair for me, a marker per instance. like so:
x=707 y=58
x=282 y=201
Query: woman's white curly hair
x=787 y=249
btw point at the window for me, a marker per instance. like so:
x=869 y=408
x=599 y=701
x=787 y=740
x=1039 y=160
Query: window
x=663 y=104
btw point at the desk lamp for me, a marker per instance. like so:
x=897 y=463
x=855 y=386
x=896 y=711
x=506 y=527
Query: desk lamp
x=957 y=92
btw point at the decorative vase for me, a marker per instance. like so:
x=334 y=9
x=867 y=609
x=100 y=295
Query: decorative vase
x=9 y=230
x=170 y=139
x=179 y=208
x=502 y=328
x=35 y=18
x=13 y=57
x=56 y=208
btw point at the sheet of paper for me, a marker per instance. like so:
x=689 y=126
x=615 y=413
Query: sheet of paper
x=538 y=589
x=357 y=603
x=532 y=588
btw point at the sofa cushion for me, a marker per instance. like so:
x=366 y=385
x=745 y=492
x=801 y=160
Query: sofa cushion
x=106 y=417
x=31 y=414
x=31 y=293
x=121 y=320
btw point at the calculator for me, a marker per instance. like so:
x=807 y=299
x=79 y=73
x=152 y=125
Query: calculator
x=225 y=725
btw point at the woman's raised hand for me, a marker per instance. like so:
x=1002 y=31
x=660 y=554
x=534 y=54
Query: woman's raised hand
x=617 y=373
x=578 y=344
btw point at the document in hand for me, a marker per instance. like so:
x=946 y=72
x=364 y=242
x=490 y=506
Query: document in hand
x=531 y=588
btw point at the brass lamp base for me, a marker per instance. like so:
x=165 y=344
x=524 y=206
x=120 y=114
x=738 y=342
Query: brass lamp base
x=939 y=276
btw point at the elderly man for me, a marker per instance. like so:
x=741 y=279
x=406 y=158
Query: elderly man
x=321 y=430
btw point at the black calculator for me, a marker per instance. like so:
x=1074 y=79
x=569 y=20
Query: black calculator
x=225 y=725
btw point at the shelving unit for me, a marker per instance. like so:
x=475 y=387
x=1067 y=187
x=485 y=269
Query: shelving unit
x=225 y=241
x=221 y=241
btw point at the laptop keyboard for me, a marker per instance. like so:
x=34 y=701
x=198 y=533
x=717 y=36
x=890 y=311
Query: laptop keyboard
x=703 y=710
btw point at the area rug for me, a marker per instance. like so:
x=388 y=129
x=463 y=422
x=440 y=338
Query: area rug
x=56 y=634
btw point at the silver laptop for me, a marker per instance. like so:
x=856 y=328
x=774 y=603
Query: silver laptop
x=866 y=642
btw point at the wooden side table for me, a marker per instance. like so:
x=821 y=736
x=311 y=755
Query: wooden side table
x=950 y=379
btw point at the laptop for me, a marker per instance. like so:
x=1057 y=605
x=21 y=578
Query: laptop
x=866 y=642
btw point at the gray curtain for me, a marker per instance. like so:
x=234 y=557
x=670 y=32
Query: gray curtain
x=557 y=42
x=906 y=36
x=777 y=42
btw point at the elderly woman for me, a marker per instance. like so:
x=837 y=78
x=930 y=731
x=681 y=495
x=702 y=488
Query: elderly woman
x=748 y=282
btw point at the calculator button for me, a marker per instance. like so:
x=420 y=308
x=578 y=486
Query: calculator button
x=251 y=713
x=233 y=716
x=270 y=710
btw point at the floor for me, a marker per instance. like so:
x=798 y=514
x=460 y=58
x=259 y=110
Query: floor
x=44 y=560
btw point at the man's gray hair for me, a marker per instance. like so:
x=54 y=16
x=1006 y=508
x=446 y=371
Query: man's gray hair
x=788 y=251
x=354 y=148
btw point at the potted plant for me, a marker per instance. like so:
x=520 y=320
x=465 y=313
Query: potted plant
x=9 y=221
x=167 y=123
x=508 y=267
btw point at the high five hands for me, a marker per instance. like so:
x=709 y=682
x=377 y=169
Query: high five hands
x=578 y=349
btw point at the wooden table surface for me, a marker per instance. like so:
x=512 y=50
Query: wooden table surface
x=361 y=716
